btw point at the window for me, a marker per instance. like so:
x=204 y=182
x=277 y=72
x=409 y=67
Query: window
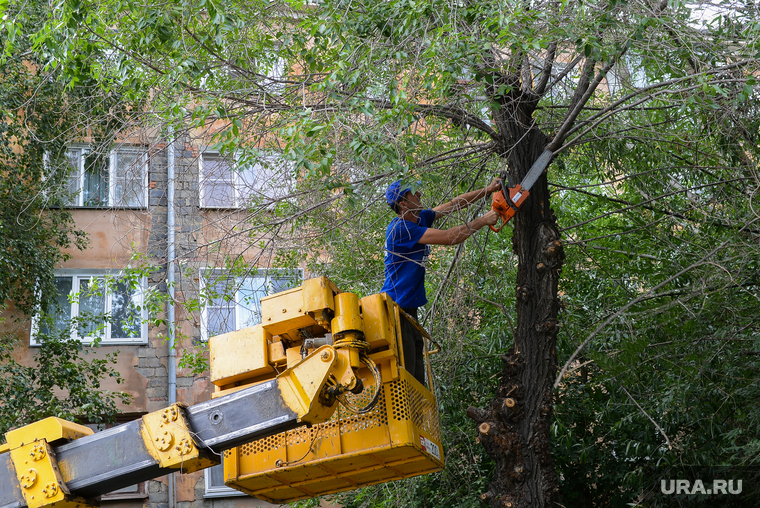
x=117 y=179
x=137 y=491
x=84 y=297
x=226 y=183
x=218 y=182
x=234 y=302
x=264 y=73
x=627 y=74
x=565 y=87
x=273 y=68
x=215 y=487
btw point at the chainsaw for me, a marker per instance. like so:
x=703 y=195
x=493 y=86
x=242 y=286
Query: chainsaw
x=511 y=196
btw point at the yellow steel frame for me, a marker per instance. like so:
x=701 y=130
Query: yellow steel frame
x=398 y=439
x=35 y=464
x=302 y=384
x=168 y=440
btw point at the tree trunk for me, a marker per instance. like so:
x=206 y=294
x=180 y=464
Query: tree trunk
x=514 y=430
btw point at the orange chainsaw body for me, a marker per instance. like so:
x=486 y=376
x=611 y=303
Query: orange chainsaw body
x=499 y=203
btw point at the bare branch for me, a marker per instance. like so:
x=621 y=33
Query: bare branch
x=667 y=440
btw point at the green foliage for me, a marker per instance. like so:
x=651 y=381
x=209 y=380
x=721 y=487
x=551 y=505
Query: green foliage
x=655 y=190
x=64 y=381
x=32 y=237
x=672 y=237
x=38 y=116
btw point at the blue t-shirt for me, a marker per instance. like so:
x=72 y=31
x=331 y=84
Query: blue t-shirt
x=405 y=260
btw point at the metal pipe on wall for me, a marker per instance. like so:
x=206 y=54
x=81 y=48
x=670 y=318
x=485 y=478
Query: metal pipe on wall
x=170 y=214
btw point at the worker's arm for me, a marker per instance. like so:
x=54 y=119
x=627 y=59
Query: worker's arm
x=458 y=234
x=464 y=200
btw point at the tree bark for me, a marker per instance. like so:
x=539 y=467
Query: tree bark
x=515 y=429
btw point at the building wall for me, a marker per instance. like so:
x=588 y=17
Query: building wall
x=115 y=235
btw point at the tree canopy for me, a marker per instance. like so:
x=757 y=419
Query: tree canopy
x=624 y=309
x=39 y=116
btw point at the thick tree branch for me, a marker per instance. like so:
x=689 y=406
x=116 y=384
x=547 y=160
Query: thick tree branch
x=561 y=134
x=459 y=116
x=546 y=72
x=568 y=68
x=577 y=106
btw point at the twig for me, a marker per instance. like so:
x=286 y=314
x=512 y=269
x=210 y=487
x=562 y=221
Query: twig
x=667 y=440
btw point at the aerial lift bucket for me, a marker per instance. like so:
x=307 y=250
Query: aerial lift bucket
x=399 y=437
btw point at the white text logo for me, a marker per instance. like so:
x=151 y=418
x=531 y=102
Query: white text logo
x=698 y=487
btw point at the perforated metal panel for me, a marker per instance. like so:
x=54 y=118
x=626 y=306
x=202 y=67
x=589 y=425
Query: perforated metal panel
x=424 y=413
x=263 y=445
x=350 y=422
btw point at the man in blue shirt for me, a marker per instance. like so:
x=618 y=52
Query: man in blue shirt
x=407 y=245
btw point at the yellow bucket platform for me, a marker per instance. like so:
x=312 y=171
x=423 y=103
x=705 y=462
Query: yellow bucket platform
x=399 y=438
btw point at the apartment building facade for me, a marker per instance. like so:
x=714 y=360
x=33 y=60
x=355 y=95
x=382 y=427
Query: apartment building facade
x=176 y=205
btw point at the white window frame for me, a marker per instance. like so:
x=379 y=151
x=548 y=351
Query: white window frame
x=273 y=74
x=242 y=192
x=77 y=276
x=112 y=168
x=237 y=300
x=269 y=74
x=285 y=183
x=202 y=183
x=212 y=491
x=563 y=88
x=627 y=72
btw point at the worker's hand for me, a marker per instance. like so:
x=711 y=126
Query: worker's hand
x=494 y=186
x=491 y=218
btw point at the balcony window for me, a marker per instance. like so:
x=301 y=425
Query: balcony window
x=227 y=183
x=118 y=179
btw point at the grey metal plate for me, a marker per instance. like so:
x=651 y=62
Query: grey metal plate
x=10 y=491
x=116 y=458
x=241 y=417
x=106 y=461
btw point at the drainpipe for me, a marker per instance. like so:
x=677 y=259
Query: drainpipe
x=172 y=367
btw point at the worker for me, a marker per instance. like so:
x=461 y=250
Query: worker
x=407 y=241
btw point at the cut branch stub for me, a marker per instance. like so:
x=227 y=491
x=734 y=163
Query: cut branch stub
x=477 y=414
x=523 y=292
